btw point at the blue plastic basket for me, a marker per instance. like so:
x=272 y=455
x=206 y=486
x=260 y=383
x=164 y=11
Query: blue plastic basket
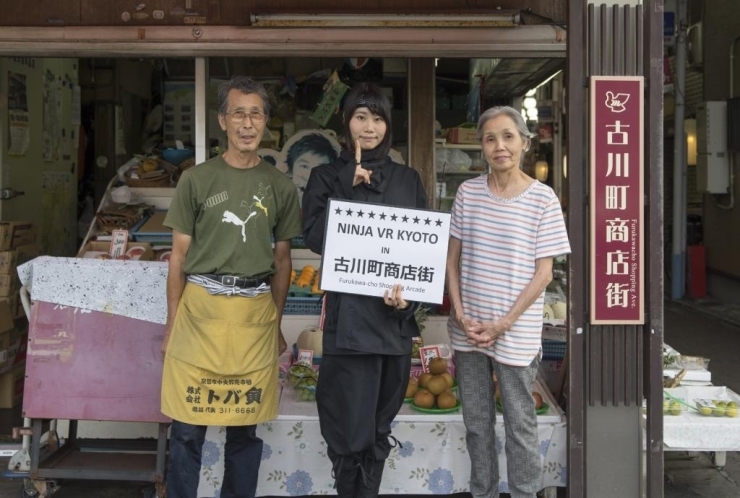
x=151 y=237
x=553 y=350
x=297 y=243
x=302 y=306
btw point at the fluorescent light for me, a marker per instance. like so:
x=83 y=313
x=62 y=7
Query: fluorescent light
x=505 y=18
x=548 y=79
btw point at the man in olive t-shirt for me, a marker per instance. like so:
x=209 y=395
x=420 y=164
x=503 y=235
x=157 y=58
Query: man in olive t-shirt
x=226 y=289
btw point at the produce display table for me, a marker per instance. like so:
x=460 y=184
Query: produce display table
x=93 y=296
x=691 y=431
x=433 y=459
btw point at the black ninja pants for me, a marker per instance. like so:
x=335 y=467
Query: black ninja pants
x=358 y=396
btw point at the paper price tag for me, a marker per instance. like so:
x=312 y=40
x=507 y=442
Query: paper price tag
x=118 y=243
x=305 y=357
x=426 y=354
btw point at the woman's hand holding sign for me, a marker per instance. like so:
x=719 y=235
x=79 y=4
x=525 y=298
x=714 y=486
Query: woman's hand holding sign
x=362 y=175
x=393 y=298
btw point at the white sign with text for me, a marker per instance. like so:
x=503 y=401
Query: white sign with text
x=370 y=247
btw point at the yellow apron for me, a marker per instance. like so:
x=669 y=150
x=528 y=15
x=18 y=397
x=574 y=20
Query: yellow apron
x=221 y=365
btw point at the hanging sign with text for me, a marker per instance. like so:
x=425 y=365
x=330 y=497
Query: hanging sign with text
x=616 y=200
x=370 y=247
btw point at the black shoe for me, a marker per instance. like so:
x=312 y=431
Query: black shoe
x=368 y=486
x=346 y=472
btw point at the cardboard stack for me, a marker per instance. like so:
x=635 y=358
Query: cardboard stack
x=13 y=344
x=17 y=246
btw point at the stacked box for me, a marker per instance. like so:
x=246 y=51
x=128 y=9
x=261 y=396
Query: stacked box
x=461 y=135
x=17 y=246
x=11 y=386
x=16 y=233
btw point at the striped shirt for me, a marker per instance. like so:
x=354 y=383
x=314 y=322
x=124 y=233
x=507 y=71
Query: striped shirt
x=501 y=239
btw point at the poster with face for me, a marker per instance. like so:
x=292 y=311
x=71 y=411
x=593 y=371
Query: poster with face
x=301 y=153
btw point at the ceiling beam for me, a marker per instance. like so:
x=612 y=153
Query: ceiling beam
x=225 y=41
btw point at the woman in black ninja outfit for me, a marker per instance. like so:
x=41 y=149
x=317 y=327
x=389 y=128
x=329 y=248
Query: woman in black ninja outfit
x=366 y=360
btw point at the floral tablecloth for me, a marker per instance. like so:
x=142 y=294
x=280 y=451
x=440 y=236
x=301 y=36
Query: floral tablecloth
x=433 y=458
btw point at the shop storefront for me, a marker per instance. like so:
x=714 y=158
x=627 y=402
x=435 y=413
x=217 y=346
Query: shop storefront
x=430 y=72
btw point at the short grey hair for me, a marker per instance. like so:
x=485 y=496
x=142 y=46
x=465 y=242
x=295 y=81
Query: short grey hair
x=245 y=85
x=515 y=115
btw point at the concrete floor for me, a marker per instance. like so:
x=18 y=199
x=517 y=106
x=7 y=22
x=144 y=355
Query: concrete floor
x=708 y=329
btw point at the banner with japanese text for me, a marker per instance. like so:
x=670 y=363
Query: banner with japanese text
x=617 y=200
x=370 y=247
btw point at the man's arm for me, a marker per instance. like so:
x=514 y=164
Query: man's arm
x=280 y=284
x=175 y=280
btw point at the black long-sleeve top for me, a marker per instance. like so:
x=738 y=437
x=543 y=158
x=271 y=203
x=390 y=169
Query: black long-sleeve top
x=357 y=324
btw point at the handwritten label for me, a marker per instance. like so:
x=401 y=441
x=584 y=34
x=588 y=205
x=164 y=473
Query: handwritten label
x=426 y=354
x=118 y=243
x=305 y=357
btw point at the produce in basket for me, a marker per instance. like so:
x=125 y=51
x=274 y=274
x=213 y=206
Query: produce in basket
x=298 y=372
x=306 y=276
x=304 y=379
x=306 y=389
x=311 y=338
x=434 y=389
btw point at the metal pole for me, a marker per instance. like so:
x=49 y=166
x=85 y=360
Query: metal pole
x=201 y=109
x=678 y=276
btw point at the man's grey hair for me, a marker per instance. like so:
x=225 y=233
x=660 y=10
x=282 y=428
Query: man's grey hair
x=245 y=85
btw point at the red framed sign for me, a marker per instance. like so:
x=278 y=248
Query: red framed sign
x=617 y=262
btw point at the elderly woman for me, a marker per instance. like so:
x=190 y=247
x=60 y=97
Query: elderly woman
x=506 y=229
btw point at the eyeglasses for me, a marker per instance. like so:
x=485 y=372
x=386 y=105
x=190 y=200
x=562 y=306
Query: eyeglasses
x=239 y=116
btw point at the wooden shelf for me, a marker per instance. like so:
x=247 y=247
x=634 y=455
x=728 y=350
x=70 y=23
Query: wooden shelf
x=441 y=142
x=461 y=173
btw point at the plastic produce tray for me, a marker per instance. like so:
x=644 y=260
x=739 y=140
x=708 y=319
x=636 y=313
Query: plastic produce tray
x=553 y=350
x=302 y=306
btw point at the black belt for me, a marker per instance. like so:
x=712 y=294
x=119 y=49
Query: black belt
x=232 y=281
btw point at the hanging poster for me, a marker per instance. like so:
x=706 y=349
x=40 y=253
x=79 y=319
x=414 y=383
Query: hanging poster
x=334 y=90
x=59 y=213
x=52 y=117
x=76 y=106
x=20 y=135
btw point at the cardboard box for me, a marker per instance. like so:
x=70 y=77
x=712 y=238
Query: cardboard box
x=23 y=233
x=7 y=262
x=11 y=386
x=96 y=248
x=14 y=345
x=462 y=135
x=15 y=305
x=26 y=253
x=9 y=284
x=6 y=317
x=16 y=233
x=4 y=349
x=10 y=338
